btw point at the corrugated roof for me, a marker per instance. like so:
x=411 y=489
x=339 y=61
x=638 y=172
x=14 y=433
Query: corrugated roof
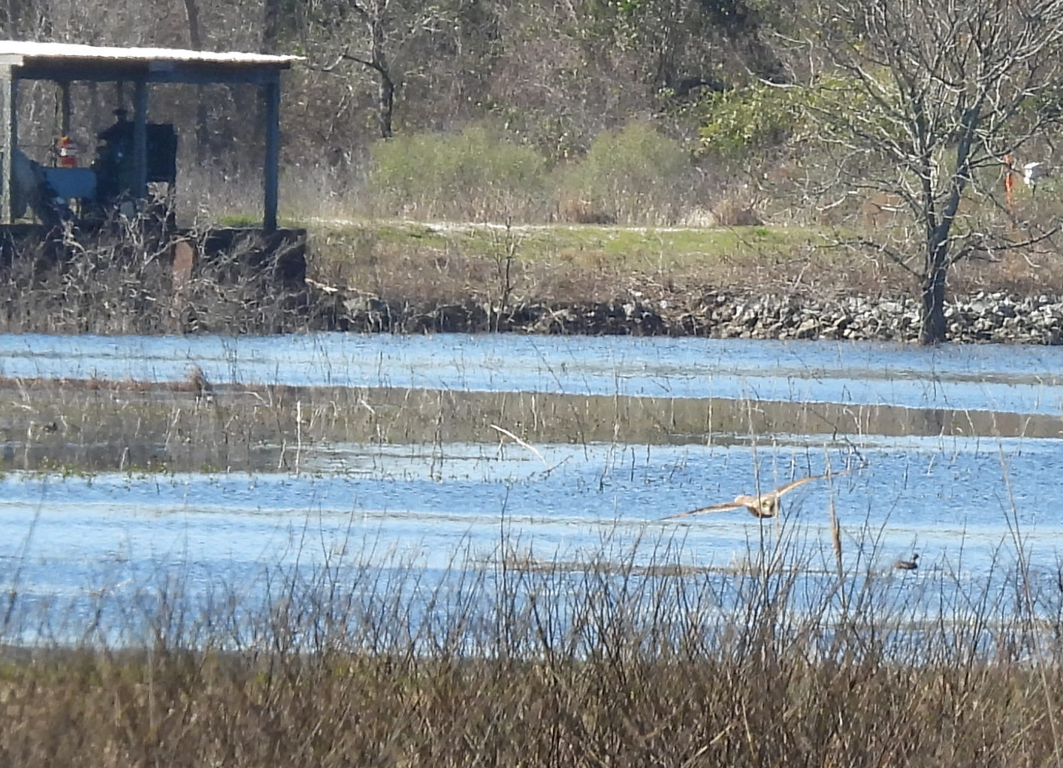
x=68 y=51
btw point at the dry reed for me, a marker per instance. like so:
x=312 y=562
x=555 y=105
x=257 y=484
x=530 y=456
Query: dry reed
x=516 y=663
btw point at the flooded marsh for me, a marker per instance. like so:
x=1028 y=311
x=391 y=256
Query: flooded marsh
x=102 y=425
x=526 y=453
x=451 y=550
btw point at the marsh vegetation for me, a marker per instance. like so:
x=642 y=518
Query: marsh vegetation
x=223 y=566
x=571 y=663
x=367 y=558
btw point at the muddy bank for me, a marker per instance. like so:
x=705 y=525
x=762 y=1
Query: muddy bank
x=724 y=313
x=130 y=425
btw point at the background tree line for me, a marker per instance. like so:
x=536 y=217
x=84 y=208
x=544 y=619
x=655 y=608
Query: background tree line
x=885 y=121
x=554 y=73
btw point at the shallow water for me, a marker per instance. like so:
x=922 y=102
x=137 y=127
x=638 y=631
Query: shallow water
x=1024 y=379
x=928 y=495
x=964 y=505
x=968 y=505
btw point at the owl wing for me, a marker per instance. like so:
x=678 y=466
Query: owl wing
x=802 y=480
x=714 y=508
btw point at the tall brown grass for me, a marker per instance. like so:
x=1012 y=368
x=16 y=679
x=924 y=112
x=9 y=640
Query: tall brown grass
x=611 y=663
x=121 y=280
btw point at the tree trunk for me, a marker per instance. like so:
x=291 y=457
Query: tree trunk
x=385 y=84
x=270 y=25
x=932 y=329
x=385 y=103
x=202 y=128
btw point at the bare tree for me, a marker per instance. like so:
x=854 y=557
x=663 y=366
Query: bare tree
x=271 y=22
x=922 y=100
x=379 y=30
x=375 y=16
x=26 y=19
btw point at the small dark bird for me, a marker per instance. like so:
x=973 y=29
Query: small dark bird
x=764 y=505
x=908 y=565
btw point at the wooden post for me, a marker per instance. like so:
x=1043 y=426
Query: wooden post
x=140 y=140
x=271 y=94
x=8 y=142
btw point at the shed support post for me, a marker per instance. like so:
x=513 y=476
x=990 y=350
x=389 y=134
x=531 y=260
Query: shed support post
x=271 y=94
x=64 y=106
x=140 y=140
x=8 y=143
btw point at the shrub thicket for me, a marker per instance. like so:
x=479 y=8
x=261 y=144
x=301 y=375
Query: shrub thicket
x=634 y=175
x=477 y=174
x=630 y=176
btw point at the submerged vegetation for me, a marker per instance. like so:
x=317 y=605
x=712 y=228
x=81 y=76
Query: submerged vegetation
x=101 y=425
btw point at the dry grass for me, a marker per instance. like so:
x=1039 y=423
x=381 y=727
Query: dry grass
x=126 y=284
x=613 y=664
x=121 y=281
x=559 y=265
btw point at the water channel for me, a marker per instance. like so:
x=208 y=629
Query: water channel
x=977 y=508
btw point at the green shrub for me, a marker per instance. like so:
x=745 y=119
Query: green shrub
x=633 y=176
x=754 y=117
x=477 y=174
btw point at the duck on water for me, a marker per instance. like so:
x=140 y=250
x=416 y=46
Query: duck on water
x=908 y=565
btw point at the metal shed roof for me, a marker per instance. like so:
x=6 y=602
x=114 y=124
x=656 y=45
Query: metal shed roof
x=69 y=52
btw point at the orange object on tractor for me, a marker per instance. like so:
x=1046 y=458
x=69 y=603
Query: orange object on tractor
x=68 y=153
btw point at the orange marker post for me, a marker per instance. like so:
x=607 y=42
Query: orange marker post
x=1009 y=179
